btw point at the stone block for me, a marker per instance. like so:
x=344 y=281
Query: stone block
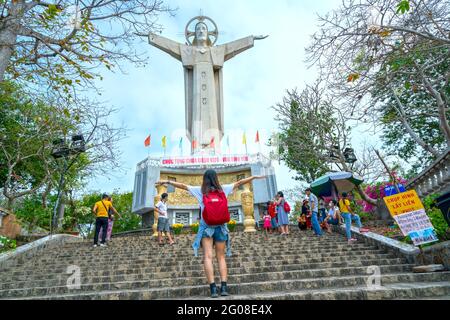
x=429 y=268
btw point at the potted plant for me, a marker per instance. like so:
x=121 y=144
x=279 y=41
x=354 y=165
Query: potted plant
x=194 y=227
x=177 y=227
x=231 y=225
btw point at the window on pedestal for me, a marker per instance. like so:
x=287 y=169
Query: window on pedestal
x=183 y=217
x=240 y=177
x=235 y=215
x=171 y=189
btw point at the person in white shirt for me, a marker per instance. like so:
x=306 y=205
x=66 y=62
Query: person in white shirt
x=163 y=219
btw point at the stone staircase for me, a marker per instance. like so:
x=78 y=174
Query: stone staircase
x=299 y=266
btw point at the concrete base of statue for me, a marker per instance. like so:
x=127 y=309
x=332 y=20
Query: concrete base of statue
x=245 y=204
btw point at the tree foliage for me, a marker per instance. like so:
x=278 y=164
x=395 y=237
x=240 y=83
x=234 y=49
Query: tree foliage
x=61 y=43
x=363 y=46
x=28 y=128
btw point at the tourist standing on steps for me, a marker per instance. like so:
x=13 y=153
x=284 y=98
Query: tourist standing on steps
x=314 y=207
x=349 y=215
x=283 y=219
x=110 y=222
x=272 y=208
x=163 y=219
x=322 y=209
x=100 y=210
x=307 y=213
x=210 y=236
x=333 y=216
x=267 y=223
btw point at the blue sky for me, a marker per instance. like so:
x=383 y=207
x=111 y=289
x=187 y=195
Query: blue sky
x=151 y=98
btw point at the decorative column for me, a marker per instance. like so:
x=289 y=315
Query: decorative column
x=160 y=189
x=247 y=207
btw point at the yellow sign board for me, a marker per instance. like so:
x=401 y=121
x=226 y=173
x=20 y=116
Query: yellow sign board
x=403 y=202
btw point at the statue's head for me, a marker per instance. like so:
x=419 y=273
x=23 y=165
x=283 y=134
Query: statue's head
x=201 y=35
x=201 y=31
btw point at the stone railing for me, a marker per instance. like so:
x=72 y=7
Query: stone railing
x=434 y=179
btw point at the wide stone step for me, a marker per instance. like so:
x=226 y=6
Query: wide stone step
x=187 y=250
x=178 y=248
x=181 y=271
x=169 y=259
x=254 y=288
x=235 y=276
x=396 y=291
x=59 y=266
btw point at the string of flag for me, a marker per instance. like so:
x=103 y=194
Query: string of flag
x=147 y=142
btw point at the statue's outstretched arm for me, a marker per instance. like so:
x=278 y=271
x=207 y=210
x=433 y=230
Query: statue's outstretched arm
x=260 y=37
x=169 y=46
x=233 y=48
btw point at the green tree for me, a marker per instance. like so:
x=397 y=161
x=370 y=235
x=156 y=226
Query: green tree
x=312 y=130
x=59 y=43
x=28 y=128
x=365 y=45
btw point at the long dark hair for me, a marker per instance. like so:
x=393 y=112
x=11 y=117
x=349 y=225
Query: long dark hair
x=210 y=181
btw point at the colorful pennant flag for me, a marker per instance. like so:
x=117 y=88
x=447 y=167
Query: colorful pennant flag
x=257 y=136
x=147 y=141
x=164 y=142
x=244 y=139
x=212 y=144
x=228 y=141
x=181 y=145
x=194 y=144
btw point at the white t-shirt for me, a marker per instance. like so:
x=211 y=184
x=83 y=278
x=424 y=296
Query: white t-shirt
x=197 y=193
x=162 y=208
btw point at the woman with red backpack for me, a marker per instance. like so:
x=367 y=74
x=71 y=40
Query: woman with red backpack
x=213 y=230
x=283 y=209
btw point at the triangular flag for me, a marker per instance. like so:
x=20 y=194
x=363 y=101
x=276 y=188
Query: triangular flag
x=181 y=142
x=164 y=142
x=228 y=141
x=212 y=144
x=147 y=141
x=194 y=144
x=257 y=136
x=244 y=139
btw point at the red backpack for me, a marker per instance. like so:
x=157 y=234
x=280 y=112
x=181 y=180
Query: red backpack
x=215 y=211
x=287 y=207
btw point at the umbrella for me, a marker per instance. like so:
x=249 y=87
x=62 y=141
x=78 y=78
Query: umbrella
x=333 y=182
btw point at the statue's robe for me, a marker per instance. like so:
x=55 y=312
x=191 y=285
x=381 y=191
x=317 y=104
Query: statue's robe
x=203 y=84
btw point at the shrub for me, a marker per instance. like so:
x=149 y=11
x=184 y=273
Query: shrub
x=177 y=227
x=7 y=244
x=231 y=225
x=436 y=217
x=194 y=227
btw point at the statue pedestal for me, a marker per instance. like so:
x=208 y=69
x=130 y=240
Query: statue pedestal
x=244 y=205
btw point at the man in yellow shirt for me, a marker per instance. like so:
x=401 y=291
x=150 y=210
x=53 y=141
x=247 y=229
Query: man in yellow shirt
x=348 y=215
x=101 y=209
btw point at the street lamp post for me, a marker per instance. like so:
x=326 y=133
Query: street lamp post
x=349 y=155
x=61 y=149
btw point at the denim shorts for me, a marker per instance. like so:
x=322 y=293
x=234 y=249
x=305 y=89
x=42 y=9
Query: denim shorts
x=218 y=235
x=163 y=224
x=333 y=221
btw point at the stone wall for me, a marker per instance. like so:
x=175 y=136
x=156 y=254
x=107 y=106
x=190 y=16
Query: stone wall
x=436 y=254
x=400 y=249
x=10 y=227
